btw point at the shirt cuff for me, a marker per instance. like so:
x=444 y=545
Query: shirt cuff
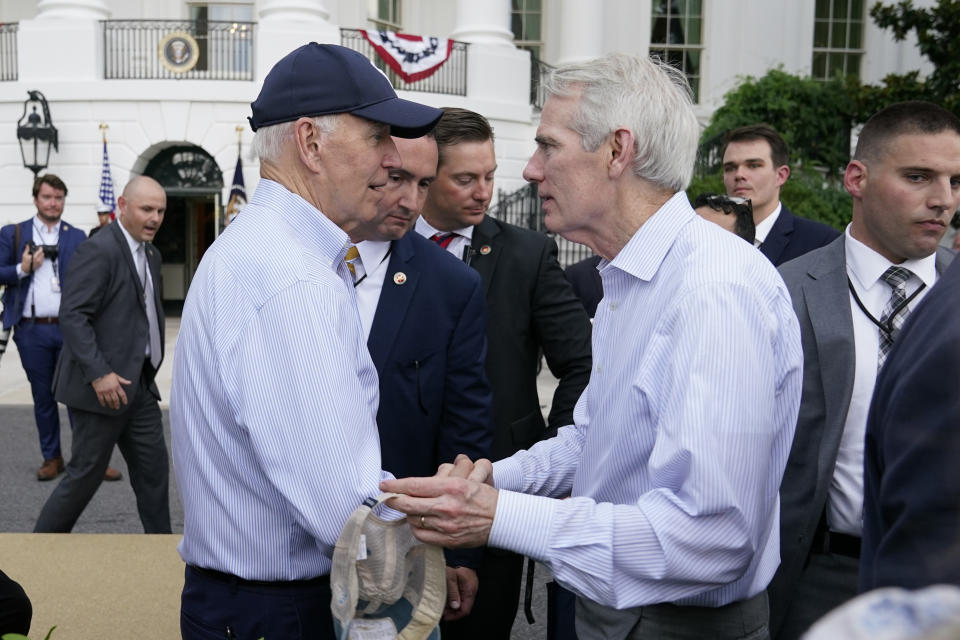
x=508 y=474
x=20 y=272
x=522 y=523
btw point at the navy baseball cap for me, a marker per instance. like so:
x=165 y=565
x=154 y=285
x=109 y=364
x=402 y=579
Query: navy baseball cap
x=323 y=79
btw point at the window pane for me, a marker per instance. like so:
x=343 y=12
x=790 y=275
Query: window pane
x=838 y=35
x=856 y=9
x=695 y=8
x=821 y=30
x=383 y=9
x=531 y=28
x=823 y=10
x=516 y=25
x=835 y=63
x=658 y=31
x=693 y=62
x=853 y=64
x=856 y=35
x=675 y=57
x=658 y=8
x=679 y=7
x=694 y=26
x=533 y=5
x=819 y=65
x=841 y=9
x=676 y=35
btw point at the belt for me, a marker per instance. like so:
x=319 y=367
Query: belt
x=840 y=544
x=53 y=320
x=229 y=578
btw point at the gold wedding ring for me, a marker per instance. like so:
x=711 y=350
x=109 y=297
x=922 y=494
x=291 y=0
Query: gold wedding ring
x=422 y=524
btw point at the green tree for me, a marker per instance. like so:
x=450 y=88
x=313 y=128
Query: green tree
x=938 y=37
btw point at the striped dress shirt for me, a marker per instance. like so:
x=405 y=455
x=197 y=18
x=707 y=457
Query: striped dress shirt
x=680 y=439
x=274 y=396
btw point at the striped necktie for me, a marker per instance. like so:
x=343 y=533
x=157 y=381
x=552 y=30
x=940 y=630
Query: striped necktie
x=895 y=312
x=443 y=239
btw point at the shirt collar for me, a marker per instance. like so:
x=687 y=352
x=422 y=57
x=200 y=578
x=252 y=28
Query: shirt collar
x=763 y=228
x=372 y=253
x=131 y=242
x=308 y=222
x=427 y=230
x=646 y=249
x=867 y=265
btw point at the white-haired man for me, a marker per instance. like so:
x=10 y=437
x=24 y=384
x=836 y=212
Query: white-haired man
x=274 y=400
x=673 y=467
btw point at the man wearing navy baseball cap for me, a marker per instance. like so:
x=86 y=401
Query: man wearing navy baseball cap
x=274 y=399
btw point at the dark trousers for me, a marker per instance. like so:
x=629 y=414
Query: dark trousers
x=495 y=608
x=39 y=347
x=826 y=582
x=217 y=609
x=139 y=434
x=15 y=609
x=743 y=620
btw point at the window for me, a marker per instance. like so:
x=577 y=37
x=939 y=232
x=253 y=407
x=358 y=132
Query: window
x=388 y=16
x=837 y=38
x=525 y=18
x=224 y=33
x=676 y=37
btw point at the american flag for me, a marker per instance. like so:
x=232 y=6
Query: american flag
x=107 y=201
x=238 y=193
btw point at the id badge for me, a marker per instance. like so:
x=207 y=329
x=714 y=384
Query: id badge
x=55 y=284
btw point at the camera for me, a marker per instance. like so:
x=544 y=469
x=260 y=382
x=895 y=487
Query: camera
x=50 y=251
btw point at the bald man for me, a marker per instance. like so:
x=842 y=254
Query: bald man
x=111 y=318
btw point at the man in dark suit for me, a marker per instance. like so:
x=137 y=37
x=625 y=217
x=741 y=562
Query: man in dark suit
x=31 y=302
x=902 y=179
x=112 y=323
x=911 y=504
x=531 y=308
x=755 y=166
x=423 y=313
x=586 y=283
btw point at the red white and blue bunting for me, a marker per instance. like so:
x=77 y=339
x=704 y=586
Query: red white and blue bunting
x=411 y=57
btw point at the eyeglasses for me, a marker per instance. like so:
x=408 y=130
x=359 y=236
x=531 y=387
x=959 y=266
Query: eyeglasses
x=728 y=204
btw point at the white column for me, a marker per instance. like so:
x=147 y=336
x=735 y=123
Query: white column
x=73 y=9
x=483 y=22
x=581 y=30
x=293 y=10
x=284 y=25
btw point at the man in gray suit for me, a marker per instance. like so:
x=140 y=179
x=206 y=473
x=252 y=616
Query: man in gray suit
x=851 y=297
x=111 y=318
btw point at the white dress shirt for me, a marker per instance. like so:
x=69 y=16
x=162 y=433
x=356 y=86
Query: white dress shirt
x=43 y=297
x=375 y=257
x=458 y=246
x=763 y=228
x=680 y=439
x=864 y=267
x=274 y=396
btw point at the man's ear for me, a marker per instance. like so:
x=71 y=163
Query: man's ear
x=623 y=150
x=121 y=205
x=855 y=178
x=783 y=172
x=309 y=140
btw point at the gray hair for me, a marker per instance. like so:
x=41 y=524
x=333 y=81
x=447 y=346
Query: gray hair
x=269 y=142
x=646 y=96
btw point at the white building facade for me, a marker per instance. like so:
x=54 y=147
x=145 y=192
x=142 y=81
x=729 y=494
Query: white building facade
x=115 y=62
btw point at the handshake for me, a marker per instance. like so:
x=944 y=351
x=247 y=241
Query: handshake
x=454 y=508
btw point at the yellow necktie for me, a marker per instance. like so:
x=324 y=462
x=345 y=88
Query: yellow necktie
x=352 y=254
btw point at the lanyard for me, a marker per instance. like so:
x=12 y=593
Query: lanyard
x=886 y=327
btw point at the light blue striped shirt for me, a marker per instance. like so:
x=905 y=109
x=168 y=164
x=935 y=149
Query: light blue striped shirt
x=680 y=439
x=274 y=397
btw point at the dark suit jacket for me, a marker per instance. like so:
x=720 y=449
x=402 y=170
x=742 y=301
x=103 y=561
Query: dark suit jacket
x=15 y=294
x=103 y=320
x=818 y=286
x=586 y=283
x=530 y=306
x=428 y=343
x=911 y=507
x=792 y=236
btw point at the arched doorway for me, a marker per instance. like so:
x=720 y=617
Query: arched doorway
x=193 y=183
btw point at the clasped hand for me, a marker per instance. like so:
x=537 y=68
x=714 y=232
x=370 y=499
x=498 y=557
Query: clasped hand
x=454 y=508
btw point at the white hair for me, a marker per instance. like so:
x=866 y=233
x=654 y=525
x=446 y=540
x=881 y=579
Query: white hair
x=269 y=142
x=642 y=94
